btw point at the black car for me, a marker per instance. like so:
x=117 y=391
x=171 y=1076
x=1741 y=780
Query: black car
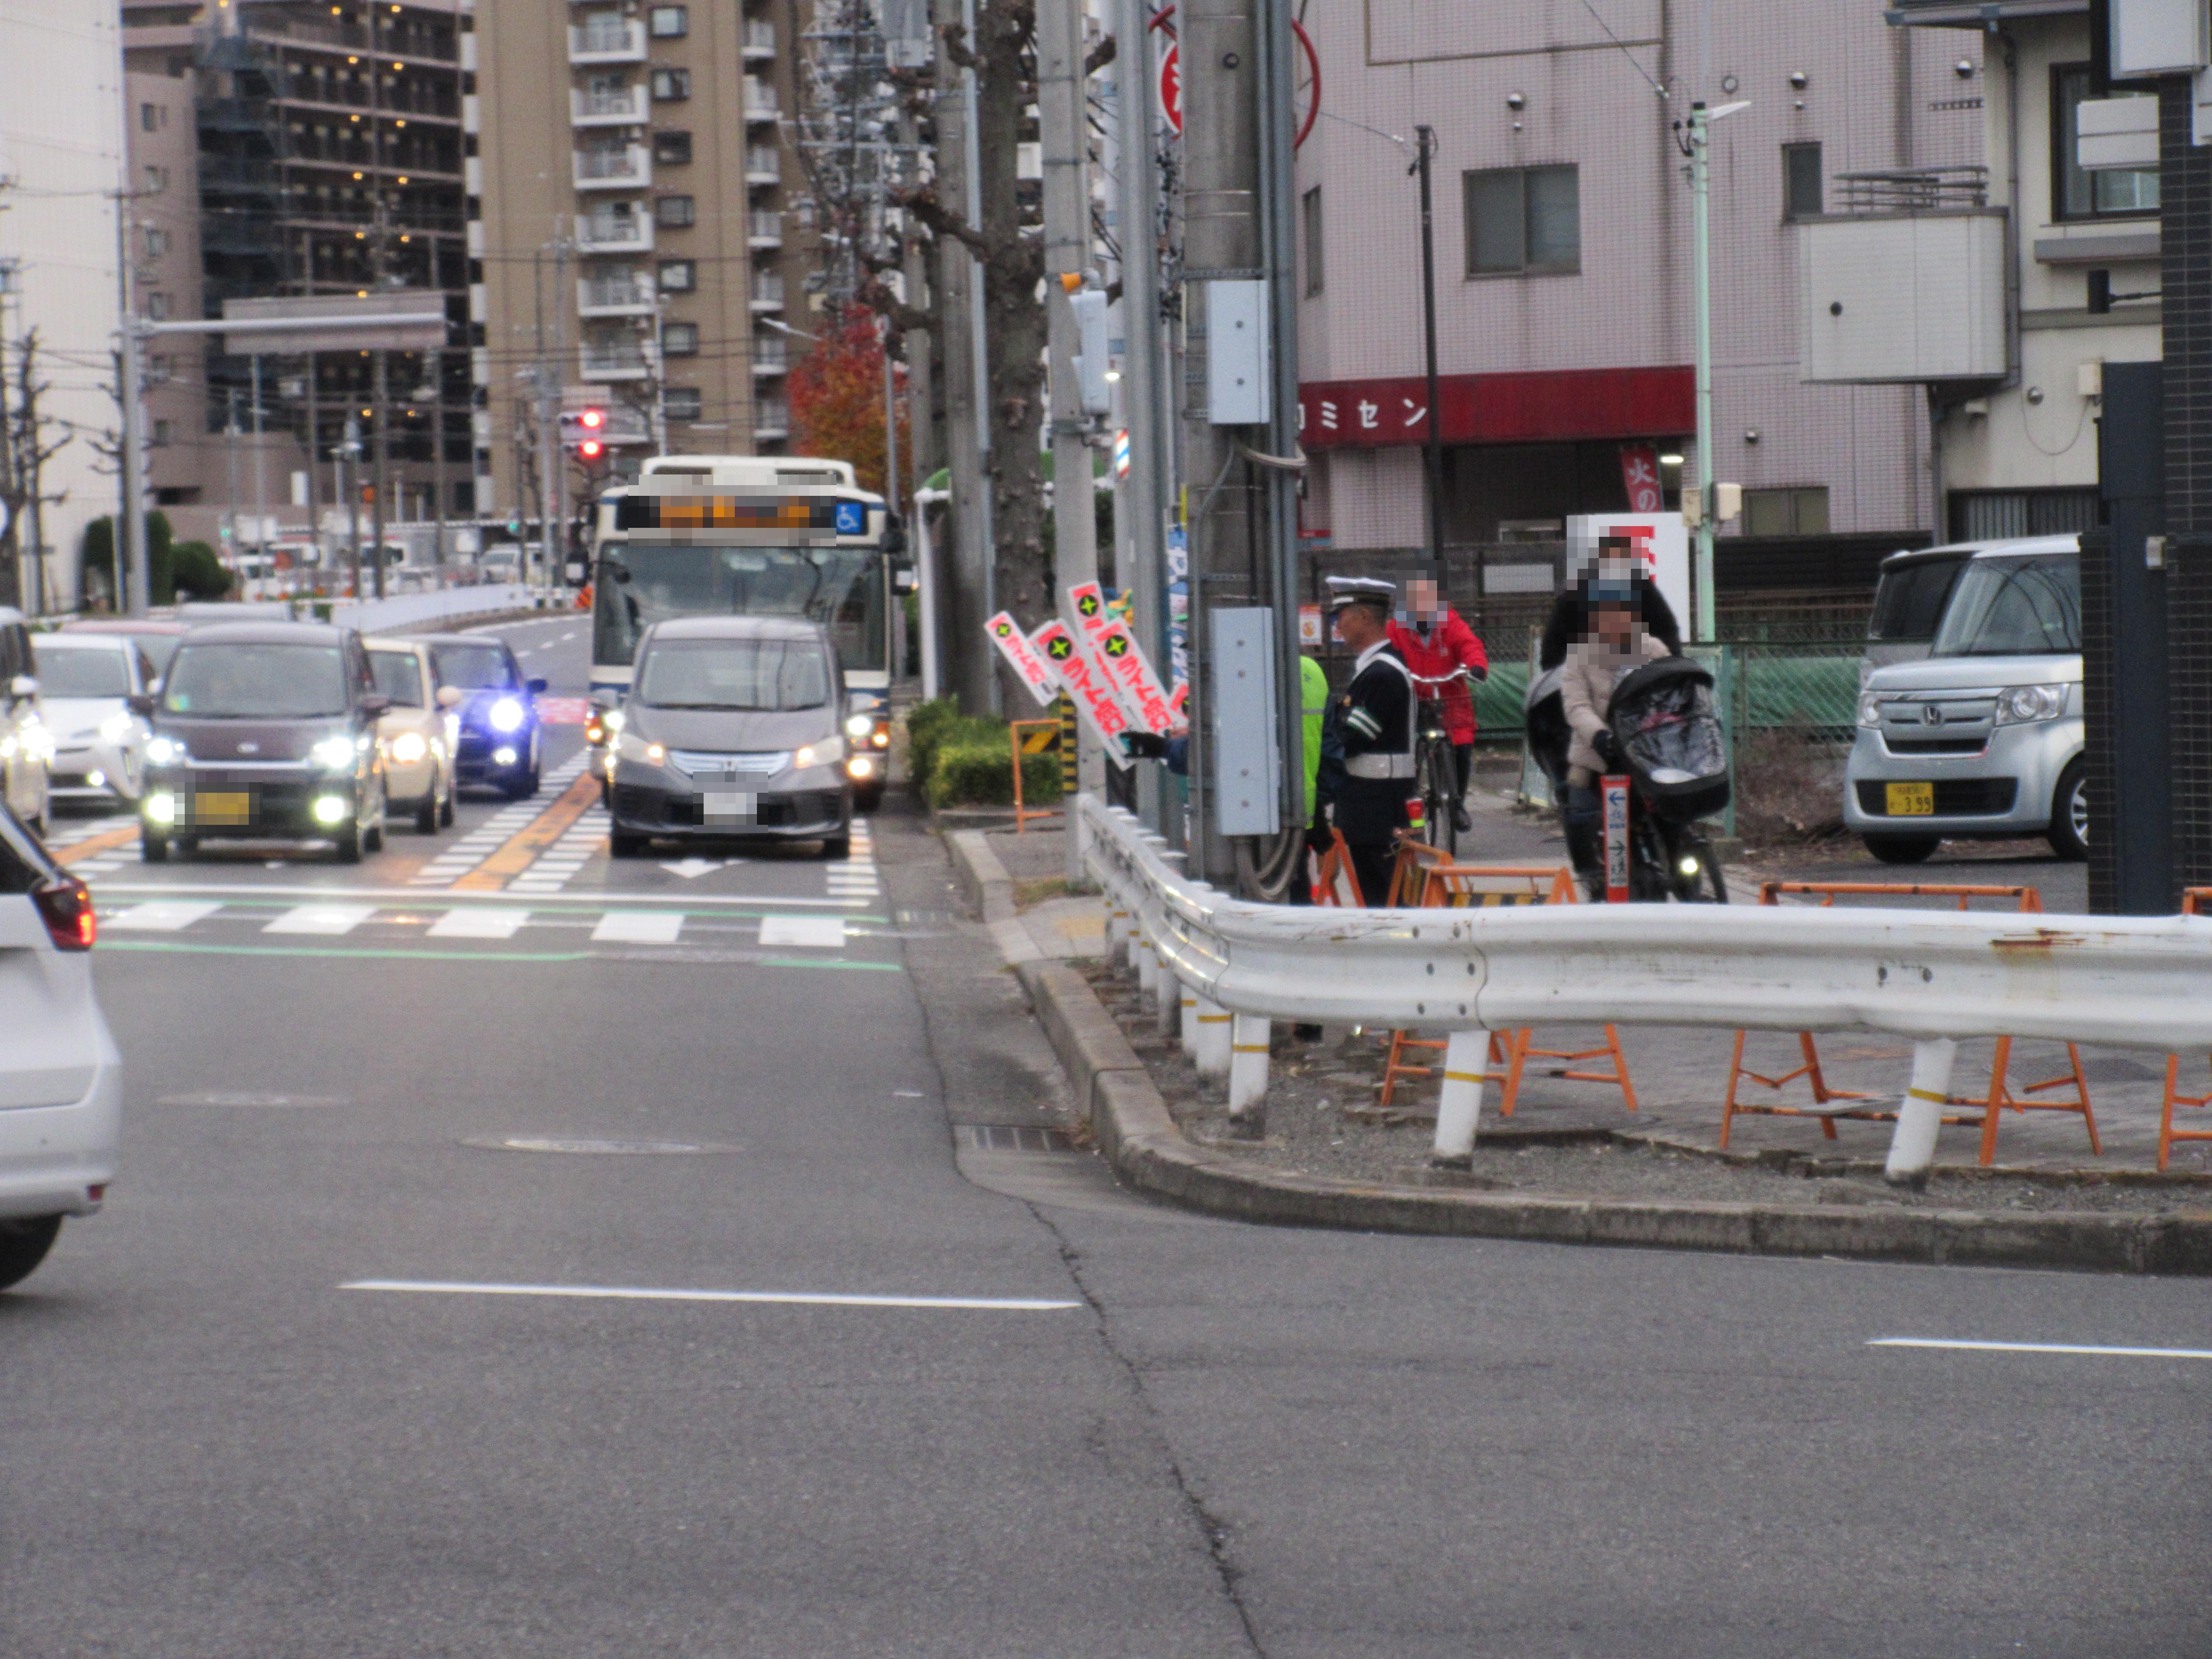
x=264 y=731
x=497 y=735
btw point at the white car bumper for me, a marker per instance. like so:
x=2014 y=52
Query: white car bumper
x=58 y=1160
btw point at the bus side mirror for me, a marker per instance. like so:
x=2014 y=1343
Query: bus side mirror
x=903 y=579
x=894 y=535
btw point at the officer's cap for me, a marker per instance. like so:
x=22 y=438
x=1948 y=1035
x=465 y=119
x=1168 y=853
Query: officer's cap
x=1361 y=590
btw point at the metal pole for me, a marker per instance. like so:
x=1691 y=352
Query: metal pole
x=260 y=472
x=1278 y=229
x=979 y=343
x=1432 y=455
x=383 y=468
x=348 y=480
x=1701 y=266
x=891 y=433
x=230 y=475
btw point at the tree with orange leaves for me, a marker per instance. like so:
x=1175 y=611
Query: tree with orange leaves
x=836 y=393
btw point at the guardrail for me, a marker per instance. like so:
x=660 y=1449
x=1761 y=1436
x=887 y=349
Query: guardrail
x=447 y=604
x=1226 y=969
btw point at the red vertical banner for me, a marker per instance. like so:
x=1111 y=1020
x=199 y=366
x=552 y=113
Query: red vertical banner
x=1639 y=476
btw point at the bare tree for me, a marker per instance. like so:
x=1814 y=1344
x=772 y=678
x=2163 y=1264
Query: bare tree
x=29 y=439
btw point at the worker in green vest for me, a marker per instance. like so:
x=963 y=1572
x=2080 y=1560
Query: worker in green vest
x=1313 y=700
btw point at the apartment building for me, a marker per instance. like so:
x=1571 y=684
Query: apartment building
x=634 y=241
x=1565 y=297
x=302 y=148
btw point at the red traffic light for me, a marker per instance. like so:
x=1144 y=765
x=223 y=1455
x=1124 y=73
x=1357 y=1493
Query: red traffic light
x=590 y=449
x=592 y=419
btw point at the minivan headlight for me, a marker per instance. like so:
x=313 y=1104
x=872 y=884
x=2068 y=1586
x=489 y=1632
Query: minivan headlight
x=2023 y=705
x=631 y=747
x=507 y=715
x=408 y=748
x=164 y=751
x=825 y=753
x=116 y=726
x=1869 y=709
x=335 y=752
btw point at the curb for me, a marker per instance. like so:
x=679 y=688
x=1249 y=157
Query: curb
x=989 y=892
x=1140 y=1139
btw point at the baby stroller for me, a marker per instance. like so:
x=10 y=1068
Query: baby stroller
x=1670 y=739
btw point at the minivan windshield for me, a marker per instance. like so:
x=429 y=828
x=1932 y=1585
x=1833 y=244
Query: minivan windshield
x=268 y=682
x=757 y=675
x=1909 y=602
x=473 y=667
x=2015 y=607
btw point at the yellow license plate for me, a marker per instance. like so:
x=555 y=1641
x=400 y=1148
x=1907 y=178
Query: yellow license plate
x=1912 y=800
x=223 y=808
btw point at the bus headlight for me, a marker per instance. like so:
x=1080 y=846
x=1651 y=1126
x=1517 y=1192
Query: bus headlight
x=861 y=766
x=860 y=726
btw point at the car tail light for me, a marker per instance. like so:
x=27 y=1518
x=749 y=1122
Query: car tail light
x=65 y=906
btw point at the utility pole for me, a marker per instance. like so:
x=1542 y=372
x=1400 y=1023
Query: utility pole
x=230 y=474
x=1432 y=455
x=349 y=460
x=1064 y=147
x=973 y=678
x=131 y=574
x=260 y=474
x=1702 y=281
x=383 y=467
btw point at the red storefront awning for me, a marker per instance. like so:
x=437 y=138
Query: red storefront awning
x=1554 y=407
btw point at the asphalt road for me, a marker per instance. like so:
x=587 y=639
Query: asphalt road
x=1149 y=1434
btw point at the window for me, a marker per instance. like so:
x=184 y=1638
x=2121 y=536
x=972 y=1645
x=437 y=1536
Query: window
x=2127 y=193
x=163 y=434
x=1310 y=224
x=157 y=306
x=1801 y=181
x=2015 y=607
x=678 y=277
x=672 y=148
x=157 y=241
x=669 y=22
x=679 y=339
x=1524 y=221
x=157 y=181
x=1786 y=512
x=671 y=86
x=673 y=212
x=682 y=403
x=152 y=118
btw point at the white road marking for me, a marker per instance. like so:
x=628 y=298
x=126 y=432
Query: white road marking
x=321 y=918
x=481 y=921
x=2038 y=1347
x=161 y=917
x=789 y=1298
x=819 y=932
x=390 y=894
x=691 y=869
x=639 y=928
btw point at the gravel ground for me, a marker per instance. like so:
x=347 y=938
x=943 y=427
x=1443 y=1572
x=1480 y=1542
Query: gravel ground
x=1321 y=1121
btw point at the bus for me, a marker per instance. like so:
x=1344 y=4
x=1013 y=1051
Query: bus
x=751 y=535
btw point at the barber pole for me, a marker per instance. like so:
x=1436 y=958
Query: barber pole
x=1614 y=793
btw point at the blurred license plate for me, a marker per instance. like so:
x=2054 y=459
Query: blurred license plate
x=234 y=807
x=1912 y=800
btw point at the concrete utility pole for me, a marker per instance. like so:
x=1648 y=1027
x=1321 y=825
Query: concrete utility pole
x=1064 y=149
x=131 y=572
x=973 y=676
x=1219 y=56
x=1149 y=492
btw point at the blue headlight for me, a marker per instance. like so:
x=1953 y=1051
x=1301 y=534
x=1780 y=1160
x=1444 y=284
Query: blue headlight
x=507 y=715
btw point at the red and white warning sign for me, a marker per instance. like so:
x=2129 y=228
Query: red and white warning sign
x=1014 y=646
x=1090 y=602
x=1140 y=689
x=1088 y=688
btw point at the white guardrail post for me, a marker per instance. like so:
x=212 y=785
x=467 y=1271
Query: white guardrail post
x=1931 y=976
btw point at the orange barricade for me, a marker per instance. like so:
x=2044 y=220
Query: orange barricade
x=1455 y=886
x=1412 y=857
x=1019 y=746
x=1828 y=1104
x=2195 y=901
x=1334 y=881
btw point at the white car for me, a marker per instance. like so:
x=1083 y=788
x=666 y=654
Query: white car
x=85 y=682
x=61 y=1077
x=25 y=742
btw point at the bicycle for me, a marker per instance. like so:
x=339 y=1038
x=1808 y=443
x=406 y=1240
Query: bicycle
x=1436 y=767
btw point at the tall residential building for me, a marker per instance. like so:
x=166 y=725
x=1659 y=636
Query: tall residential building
x=635 y=246
x=61 y=163
x=316 y=148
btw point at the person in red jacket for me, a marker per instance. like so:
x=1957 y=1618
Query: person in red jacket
x=1437 y=645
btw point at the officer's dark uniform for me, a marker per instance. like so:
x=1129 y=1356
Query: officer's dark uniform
x=1374 y=720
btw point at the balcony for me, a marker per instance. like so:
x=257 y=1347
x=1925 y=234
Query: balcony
x=614 y=232
x=623 y=294
x=612 y=360
x=607 y=40
x=771 y=418
x=760 y=100
x=768 y=291
x=760 y=41
x=764 y=165
x=629 y=167
x=771 y=355
x=763 y=230
x=1906 y=285
x=625 y=108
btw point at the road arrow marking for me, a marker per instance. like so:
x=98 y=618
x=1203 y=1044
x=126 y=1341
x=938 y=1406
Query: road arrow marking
x=691 y=869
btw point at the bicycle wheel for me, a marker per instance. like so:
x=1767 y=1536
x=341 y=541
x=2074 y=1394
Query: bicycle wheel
x=1439 y=775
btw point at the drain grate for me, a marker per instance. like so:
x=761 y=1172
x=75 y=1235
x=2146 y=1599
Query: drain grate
x=1016 y=1138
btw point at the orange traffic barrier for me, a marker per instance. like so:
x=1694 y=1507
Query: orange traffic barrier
x=1412 y=857
x=2195 y=901
x=1830 y=1103
x=1018 y=746
x=1332 y=880
x=1471 y=886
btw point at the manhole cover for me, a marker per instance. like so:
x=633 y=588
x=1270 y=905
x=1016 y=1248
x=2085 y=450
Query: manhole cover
x=601 y=1148
x=244 y=1097
x=1012 y=1138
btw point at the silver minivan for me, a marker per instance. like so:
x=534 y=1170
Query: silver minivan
x=1982 y=738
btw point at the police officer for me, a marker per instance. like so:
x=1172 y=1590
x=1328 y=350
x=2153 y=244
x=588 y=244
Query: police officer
x=1374 y=721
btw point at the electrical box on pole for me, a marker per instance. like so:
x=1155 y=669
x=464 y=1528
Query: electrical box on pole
x=1092 y=356
x=1239 y=379
x=1247 y=734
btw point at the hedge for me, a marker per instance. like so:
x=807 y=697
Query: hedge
x=961 y=760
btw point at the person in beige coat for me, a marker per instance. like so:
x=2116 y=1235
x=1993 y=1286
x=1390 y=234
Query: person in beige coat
x=1611 y=640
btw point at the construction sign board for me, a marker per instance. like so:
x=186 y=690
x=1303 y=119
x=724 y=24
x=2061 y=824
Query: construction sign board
x=1087 y=685
x=1014 y=646
x=1140 y=688
x=1089 y=601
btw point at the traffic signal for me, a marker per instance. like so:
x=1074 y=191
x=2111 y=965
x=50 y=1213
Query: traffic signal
x=591 y=443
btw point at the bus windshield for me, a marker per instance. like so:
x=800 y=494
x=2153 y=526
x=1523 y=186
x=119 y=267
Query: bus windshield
x=840 y=588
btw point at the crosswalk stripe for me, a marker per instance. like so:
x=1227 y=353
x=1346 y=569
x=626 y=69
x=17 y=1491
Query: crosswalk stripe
x=328 y=919
x=160 y=915
x=479 y=921
x=638 y=927
x=818 y=932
